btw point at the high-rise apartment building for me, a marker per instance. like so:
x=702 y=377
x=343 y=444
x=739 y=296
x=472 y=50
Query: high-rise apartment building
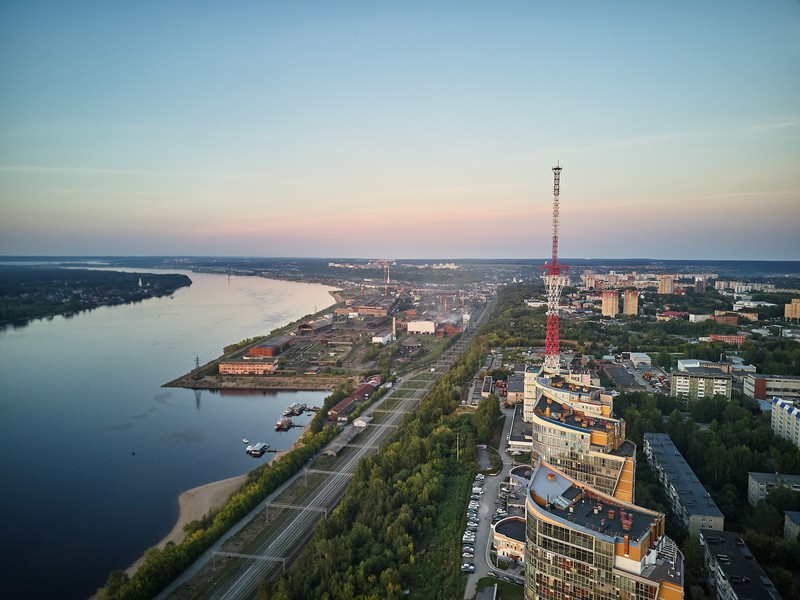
x=666 y=284
x=573 y=430
x=584 y=544
x=792 y=310
x=610 y=303
x=630 y=304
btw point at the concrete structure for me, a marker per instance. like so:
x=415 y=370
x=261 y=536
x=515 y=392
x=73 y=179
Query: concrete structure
x=508 y=538
x=689 y=500
x=697 y=382
x=761 y=484
x=732 y=572
x=785 y=419
x=763 y=387
x=572 y=429
x=630 y=303
x=515 y=389
x=791 y=525
x=582 y=543
x=792 y=310
x=428 y=327
x=610 y=303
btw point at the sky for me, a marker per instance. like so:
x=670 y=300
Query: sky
x=400 y=129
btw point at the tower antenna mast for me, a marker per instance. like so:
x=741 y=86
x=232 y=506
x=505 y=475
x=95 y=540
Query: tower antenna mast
x=555 y=278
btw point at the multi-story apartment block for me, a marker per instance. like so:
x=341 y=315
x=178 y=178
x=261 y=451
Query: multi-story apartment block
x=732 y=572
x=666 y=284
x=584 y=544
x=610 y=303
x=761 y=484
x=689 y=500
x=763 y=387
x=630 y=305
x=572 y=428
x=785 y=419
x=698 y=382
x=792 y=310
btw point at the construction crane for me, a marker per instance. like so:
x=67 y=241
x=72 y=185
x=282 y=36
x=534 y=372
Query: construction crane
x=555 y=278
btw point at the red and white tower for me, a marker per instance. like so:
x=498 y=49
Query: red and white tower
x=555 y=278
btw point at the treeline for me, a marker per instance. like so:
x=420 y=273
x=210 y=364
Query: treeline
x=28 y=293
x=162 y=566
x=399 y=524
x=722 y=441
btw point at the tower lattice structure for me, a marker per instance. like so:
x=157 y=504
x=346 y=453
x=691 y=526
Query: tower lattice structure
x=555 y=278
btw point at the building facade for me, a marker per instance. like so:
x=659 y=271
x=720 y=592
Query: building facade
x=630 y=305
x=764 y=387
x=572 y=429
x=734 y=340
x=792 y=310
x=428 y=327
x=761 y=484
x=583 y=544
x=610 y=303
x=666 y=284
x=785 y=419
x=698 y=382
x=689 y=500
x=508 y=538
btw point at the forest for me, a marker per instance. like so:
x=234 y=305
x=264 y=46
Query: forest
x=34 y=292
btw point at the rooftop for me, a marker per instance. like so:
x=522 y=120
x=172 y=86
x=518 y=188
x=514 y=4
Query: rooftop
x=706 y=371
x=693 y=496
x=590 y=510
x=566 y=415
x=512 y=527
x=738 y=566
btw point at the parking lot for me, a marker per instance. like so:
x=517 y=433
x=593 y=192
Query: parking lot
x=491 y=500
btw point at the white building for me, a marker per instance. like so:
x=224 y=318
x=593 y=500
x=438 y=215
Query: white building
x=785 y=419
x=421 y=327
x=698 y=382
x=384 y=337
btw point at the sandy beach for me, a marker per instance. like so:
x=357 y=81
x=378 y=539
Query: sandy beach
x=194 y=504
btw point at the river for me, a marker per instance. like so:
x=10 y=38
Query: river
x=95 y=452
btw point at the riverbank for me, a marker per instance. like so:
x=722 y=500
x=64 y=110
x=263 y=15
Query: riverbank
x=310 y=383
x=194 y=504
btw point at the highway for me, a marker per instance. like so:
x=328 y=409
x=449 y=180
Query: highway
x=233 y=569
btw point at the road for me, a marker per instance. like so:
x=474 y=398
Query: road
x=222 y=573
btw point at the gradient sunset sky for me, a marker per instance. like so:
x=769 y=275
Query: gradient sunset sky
x=400 y=129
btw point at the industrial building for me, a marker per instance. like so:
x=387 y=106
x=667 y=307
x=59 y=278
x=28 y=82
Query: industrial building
x=582 y=543
x=785 y=419
x=698 y=382
x=689 y=500
x=247 y=367
x=731 y=571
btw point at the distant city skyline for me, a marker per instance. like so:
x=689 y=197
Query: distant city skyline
x=413 y=130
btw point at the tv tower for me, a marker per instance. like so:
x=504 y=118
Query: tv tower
x=555 y=278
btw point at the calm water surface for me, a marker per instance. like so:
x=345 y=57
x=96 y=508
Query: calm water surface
x=95 y=452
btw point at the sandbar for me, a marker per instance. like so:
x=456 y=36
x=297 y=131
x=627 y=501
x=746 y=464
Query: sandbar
x=194 y=504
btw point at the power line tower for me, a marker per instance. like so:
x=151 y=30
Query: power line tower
x=555 y=278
